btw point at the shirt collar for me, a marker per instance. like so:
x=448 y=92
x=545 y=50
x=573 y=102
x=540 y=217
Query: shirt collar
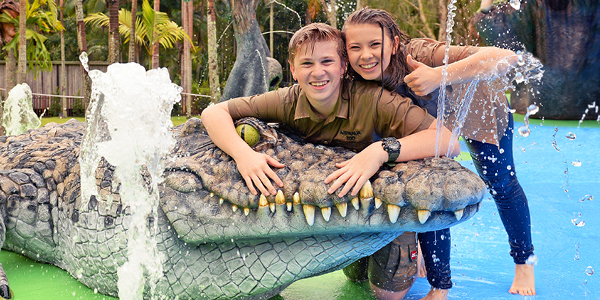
x=304 y=110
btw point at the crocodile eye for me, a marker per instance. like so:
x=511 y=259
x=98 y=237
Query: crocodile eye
x=183 y=182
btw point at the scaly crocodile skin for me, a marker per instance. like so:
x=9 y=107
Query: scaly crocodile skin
x=217 y=240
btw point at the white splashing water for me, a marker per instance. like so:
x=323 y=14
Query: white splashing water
x=516 y=4
x=18 y=111
x=524 y=129
x=128 y=124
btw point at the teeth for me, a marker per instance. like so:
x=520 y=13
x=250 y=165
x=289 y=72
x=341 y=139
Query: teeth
x=355 y=203
x=366 y=192
x=234 y=208
x=288 y=206
x=309 y=213
x=246 y=211
x=478 y=206
x=212 y=194
x=369 y=65
x=326 y=211
x=296 y=198
x=272 y=207
x=378 y=203
x=393 y=212
x=280 y=198
x=320 y=83
x=459 y=214
x=423 y=215
x=342 y=208
x=262 y=201
x=221 y=201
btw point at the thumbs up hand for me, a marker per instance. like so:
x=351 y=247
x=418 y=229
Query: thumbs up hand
x=424 y=79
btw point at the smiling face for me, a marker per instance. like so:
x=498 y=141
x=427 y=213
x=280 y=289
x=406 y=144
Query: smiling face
x=363 y=44
x=318 y=69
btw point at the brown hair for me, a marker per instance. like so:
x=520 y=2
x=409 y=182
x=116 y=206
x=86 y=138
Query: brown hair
x=398 y=67
x=313 y=33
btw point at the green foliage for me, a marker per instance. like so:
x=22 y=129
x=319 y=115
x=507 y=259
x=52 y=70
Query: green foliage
x=71 y=49
x=78 y=108
x=41 y=18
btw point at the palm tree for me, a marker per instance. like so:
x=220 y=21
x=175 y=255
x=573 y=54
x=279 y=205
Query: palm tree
x=113 y=31
x=37 y=21
x=213 y=70
x=132 y=52
x=153 y=28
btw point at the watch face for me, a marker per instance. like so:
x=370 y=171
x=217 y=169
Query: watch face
x=391 y=144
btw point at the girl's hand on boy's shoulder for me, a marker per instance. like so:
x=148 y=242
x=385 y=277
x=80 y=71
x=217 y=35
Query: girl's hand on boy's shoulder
x=356 y=171
x=424 y=79
x=256 y=170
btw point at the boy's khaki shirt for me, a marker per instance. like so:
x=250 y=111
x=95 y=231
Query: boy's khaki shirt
x=363 y=115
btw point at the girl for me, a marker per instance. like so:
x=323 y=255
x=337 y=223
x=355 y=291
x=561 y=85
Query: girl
x=378 y=50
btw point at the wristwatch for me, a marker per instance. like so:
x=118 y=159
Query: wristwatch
x=392 y=147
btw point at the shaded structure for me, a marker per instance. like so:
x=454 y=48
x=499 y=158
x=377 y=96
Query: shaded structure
x=565 y=36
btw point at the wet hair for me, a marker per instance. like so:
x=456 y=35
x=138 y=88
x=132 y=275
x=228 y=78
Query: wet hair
x=397 y=68
x=313 y=33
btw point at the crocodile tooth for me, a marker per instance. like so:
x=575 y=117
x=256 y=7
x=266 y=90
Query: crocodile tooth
x=355 y=202
x=272 y=207
x=423 y=215
x=289 y=206
x=393 y=212
x=280 y=198
x=478 y=206
x=366 y=192
x=459 y=213
x=212 y=194
x=378 y=203
x=221 y=201
x=342 y=208
x=309 y=213
x=246 y=211
x=234 y=208
x=326 y=212
x=262 y=201
x=296 y=198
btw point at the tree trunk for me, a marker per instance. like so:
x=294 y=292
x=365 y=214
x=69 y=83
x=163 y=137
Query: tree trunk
x=271 y=28
x=63 y=71
x=359 y=4
x=213 y=68
x=82 y=44
x=155 y=61
x=331 y=10
x=132 y=53
x=22 y=66
x=113 y=31
x=443 y=14
x=187 y=14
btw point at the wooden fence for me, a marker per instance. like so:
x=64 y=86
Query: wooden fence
x=47 y=83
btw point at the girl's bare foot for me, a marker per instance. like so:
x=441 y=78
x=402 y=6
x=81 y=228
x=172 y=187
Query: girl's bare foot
x=524 y=282
x=436 y=294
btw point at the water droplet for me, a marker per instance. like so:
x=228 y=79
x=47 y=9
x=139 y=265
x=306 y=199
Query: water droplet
x=532 y=260
x=509 y=167
x=571 y=136
x=577 y=221
x=589 y=270
x=576 y=163
x=524 y=131
x=501 y=150
x=519 y=77
x=587 y=197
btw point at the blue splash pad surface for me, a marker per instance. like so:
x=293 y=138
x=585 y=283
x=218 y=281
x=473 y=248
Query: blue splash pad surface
x=481 y=265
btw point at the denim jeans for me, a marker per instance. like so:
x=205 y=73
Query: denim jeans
x=496 y=167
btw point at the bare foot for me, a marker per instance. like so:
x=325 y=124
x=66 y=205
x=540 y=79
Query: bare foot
x=421 y=271
x=436 y=294
x=524 y=282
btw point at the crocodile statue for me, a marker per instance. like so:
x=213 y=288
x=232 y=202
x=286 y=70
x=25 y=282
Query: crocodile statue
x=217 y=240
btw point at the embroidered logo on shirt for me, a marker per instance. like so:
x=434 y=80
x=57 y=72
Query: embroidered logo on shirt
x=350 y=135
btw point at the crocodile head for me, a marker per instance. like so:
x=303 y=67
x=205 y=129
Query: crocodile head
x=217 y=240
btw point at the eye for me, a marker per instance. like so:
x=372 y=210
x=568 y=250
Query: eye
x=306 y=64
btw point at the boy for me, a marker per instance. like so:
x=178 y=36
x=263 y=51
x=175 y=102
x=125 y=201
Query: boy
x=325 y=108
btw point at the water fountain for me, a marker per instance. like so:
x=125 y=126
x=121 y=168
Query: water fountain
x=130 y=128
x=18 y=114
